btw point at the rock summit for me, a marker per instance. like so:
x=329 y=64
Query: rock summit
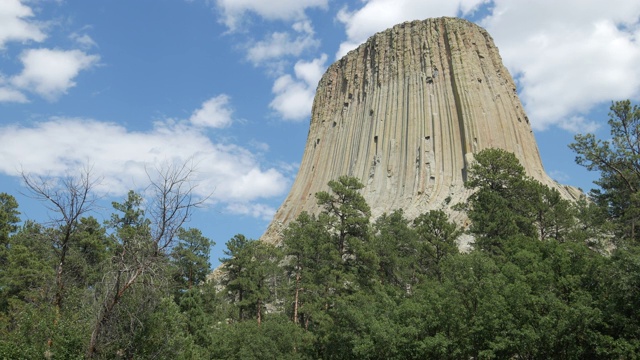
x=404 y=113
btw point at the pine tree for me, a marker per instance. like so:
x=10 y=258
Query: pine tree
x=346 y=215
x=618 y=161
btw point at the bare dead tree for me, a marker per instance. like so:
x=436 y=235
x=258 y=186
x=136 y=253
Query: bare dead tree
x=68 y=199
x=172 y=190
x=172 y=201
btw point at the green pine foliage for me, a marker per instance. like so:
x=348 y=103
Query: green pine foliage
x=541 y=280
x=618 y=162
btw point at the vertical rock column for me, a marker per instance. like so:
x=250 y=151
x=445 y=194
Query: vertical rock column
x=404 y=113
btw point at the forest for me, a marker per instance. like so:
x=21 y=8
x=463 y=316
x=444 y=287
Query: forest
x=545 y=277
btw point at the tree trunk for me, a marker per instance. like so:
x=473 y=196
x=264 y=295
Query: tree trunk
x=259 y=313
x=106 y=310
x=57 y=300
x=295 y=302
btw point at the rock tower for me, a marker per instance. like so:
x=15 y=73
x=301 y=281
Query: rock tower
x=404 y=113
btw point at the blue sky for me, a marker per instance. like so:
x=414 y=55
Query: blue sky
x=122 y=86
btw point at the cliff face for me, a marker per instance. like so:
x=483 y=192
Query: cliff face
x=404 y=112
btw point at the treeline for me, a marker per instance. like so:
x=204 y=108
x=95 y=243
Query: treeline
x=545 y=277
x=76 y=288
x=540 y=281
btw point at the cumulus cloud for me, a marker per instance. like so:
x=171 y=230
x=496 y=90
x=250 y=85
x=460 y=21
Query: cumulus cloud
x=15 y=24
x=567 y=57
x=293 y=93
x=234 y=10
x=50 y=73
x=214 y=113
x=294 y=96
x=229 y=173
x=569 y=60
x=280 y=44
x=378 y=15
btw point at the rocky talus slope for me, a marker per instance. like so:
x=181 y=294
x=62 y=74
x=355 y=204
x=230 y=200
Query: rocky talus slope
x=404 y=112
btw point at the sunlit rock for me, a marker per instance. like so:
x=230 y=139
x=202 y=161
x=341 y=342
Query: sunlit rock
x=404 y=113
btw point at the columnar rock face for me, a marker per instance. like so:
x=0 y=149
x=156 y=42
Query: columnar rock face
x=405 y=112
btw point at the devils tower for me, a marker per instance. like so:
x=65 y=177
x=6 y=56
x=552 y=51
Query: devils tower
x=404 y=113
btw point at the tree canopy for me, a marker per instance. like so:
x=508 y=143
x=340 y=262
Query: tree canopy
x=618 y=162
x=545 y=277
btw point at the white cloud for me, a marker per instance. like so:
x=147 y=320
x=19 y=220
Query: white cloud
x=311 y=72
x=214 y=113
x=378 y=15
x=84 y=40
x=261 y=211
x=50 y=73
x=578 y=124
x=14 y=23
x=280 y=44
x=60 y=146
x=569 y=56
x=294 y=97
x=233 y=10
x=259 y=145
x=8 y=94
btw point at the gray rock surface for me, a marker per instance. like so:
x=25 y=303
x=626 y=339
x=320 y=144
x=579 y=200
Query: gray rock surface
x=404 y=112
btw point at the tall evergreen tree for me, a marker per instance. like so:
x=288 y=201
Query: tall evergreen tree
x=9 y=218
x=501 y=206
x=191 y=258
x=313 y=264
x=346 y=211
x=346 y=214
x=396 y=246
x=8 y=225
x=235 y=281
x=436 y=239
x=618 y=161
x=251 y=275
